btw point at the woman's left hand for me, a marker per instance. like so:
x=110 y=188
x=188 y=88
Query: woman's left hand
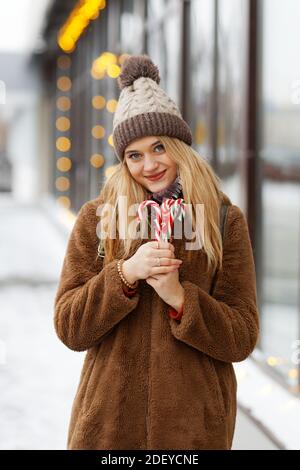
x=168 y=287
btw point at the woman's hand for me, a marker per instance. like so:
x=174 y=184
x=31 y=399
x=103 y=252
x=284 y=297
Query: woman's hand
x=151 y=259
x=168 y=288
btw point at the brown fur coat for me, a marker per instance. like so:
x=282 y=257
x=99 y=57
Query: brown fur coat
x=149 y=381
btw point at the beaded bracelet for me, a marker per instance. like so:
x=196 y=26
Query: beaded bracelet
x=131 y=286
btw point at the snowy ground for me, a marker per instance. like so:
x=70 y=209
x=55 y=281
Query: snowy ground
x=38 y=374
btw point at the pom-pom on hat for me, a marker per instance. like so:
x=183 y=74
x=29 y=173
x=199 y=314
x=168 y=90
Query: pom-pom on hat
x=144 y=108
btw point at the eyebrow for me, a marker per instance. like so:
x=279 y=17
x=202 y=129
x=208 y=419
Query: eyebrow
x=152 y=145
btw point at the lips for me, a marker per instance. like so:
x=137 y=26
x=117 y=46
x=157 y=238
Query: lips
x=156 y=177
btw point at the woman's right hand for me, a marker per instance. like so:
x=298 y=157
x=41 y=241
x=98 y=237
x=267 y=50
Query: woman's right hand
x=145 y=263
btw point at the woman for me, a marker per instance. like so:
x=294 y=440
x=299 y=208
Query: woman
x=161 y=323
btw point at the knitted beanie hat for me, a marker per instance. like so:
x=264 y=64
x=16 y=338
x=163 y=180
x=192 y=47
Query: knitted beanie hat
x=144 y=108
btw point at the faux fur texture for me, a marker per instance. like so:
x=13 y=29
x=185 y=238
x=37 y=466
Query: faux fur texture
x=135 y=67
x=148 y=381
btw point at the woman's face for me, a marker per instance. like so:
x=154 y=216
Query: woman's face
x=146 y=157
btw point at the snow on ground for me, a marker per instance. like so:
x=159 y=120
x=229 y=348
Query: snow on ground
x=38 y=378
x=269 y=403
x=38 y=373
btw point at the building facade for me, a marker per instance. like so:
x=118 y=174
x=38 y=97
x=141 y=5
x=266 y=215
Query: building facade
x=229 y=66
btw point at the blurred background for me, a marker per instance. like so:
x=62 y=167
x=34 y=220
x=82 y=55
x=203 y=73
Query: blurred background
x=233 y=68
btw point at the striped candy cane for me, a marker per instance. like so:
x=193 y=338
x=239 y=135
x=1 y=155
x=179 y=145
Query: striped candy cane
x=165 y=215
x=166 y=218
x=157 y=219
x=178 y=209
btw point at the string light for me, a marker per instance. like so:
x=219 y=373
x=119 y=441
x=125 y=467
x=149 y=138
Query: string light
x=64 y=62
x=98 y=102
x=63 y=144
x=105 y=63
x=64 y=201
x=64 y=83
x=62 y=183
x=78 y=20
x=111 y=105
x=64 y=164
x=97 y=160
x=98 y=132
x=62 y=124
x=110 y=140
x=63 y=103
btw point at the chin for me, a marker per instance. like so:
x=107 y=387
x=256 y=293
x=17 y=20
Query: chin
x=155 y=187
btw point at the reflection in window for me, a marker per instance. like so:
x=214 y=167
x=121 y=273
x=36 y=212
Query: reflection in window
x=131 y=28
x=231 y=95
x=280 y=154
x=199 y=73
x=164 y=42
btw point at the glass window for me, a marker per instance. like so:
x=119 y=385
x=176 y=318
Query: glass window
x=280 y=155
x=131 y=27
x=231 y=109
x=164 y=43
x=199 y=73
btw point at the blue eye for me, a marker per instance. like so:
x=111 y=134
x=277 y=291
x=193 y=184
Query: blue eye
x=134 y=154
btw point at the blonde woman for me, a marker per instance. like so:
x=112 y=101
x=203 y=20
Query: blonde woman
x=161 y=321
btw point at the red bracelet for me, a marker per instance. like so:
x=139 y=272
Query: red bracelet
x=176 y=315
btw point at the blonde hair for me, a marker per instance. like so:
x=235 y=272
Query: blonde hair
x=200 y=185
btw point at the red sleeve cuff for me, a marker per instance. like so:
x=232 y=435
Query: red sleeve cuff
x=128 y=292
x=176 y=315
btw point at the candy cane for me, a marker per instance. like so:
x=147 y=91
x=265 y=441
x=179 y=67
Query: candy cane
x=178 y=209
x=165 y=215
x=157 y=219
x=167 y=218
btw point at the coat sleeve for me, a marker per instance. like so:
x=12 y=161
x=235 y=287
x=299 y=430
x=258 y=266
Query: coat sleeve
x=224 y=325
x=90 y=300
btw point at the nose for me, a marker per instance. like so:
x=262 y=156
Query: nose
x=150 y=164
